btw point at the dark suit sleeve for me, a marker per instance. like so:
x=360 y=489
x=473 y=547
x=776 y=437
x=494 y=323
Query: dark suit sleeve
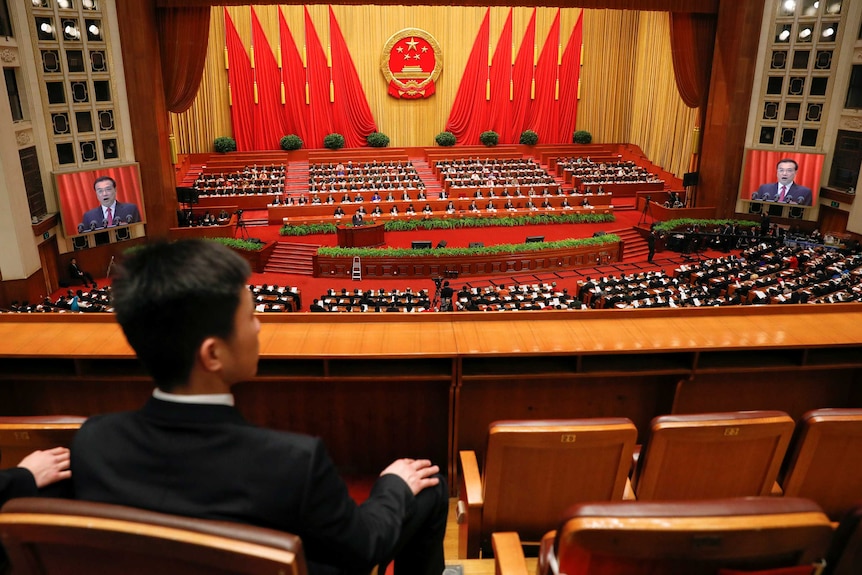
x=17 y=482
x=346 y=534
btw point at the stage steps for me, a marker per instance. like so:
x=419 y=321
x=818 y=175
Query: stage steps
x=296 y=179
x=636 y=248
x=433 y=186
x=292 y=258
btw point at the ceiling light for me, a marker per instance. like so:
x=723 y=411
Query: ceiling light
x=829 y=32
x=64 y=4
x=93 y=30
x=806 y=32
x=88 y=4
x=785 y=34
x=46 y=28
x=789 y=5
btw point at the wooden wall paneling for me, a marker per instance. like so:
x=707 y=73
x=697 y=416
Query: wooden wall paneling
x=723 y=135
x=794 y=391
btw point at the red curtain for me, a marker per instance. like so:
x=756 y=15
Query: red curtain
x=293 y=79
x=501 y=77
x=570 y=72
x=469 y=115
x=544 y=110
x=351 y=113
x=269 y=125
x=183 y=36
x=692 y=38
x=241 y=88
x=318 y=78
x=522 y=78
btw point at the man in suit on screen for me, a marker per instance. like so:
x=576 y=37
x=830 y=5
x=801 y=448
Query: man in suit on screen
x=785 y=190
x=186 y=310
x=110 y=212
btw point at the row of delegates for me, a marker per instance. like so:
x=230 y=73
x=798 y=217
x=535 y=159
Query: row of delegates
x=186 y=310
x=517 y=297
x=372 y=167
x=373 y=300
x=290 y=296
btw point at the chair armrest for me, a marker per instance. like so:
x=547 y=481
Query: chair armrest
x=470 y=507
x=471 y=480
x=508 y=554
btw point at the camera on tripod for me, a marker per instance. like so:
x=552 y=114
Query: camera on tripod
x=438 y=282
x=649 y=199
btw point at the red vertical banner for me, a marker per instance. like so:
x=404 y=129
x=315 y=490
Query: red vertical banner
x=501 y=80
x=269 y=125
x=469 y=115
x=544 y=110
x=318 y=76
x=293 y=82
x=570 y=75
x=522 y=79
x=241 y=88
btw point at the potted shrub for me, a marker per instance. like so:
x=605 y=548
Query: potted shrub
x=489 y=138
x=529 y=138
x=582 y=137
x=333 y=141
x=290 y=142
x=445 y=139
x=224 y=144
x=377 y=140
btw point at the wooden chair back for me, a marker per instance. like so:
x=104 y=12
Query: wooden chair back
x=825 y=462
x=20 y=436
x=536 y=469
x=712 y=455
x=45 y=536
x=690 y=537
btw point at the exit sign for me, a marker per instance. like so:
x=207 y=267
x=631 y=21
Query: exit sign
x=46 y=235
x=834 y=204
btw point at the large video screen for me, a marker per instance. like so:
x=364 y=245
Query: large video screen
x=101 y=199
x=782 y=177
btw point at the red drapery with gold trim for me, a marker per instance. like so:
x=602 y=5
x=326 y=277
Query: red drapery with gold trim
x=183 y=36
x=269 y=125
x=469 y=115
x=570 y=73
x=293 y=81
x=501 y=79
x=692 y=37
x=522 y=75
x=544 y=110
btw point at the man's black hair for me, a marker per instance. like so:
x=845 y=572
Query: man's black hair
x=105 y=179
x=170 y=297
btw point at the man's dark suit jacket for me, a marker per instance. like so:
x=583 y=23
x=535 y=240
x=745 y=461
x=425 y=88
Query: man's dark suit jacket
x=16 y=482
x=122 y=212
x=206 y=461
x=796 y=194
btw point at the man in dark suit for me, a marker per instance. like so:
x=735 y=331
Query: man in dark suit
x=110 y=212
x=79 y=275
x=785 y=190
x=185 y=309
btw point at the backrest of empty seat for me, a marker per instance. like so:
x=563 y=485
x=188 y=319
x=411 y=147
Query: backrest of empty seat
x=845 y=553
x=712 y=455
x=535 y=469
x=46 y=536
x=825 y=463
x=20 y=436
x=691 y=537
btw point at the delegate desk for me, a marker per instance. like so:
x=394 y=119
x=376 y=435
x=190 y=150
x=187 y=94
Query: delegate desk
x=369 y=235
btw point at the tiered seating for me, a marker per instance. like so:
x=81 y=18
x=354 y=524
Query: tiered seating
x=533 y=469
x=46 y=536
x=250 y=180
x=518 y=176
x=337 y=179
x=379 y=300
x=274 y=298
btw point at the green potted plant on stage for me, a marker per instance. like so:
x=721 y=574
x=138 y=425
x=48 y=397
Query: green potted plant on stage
x=582 y=137
x=529 y=138
x=377 y=140
x=224 y=144
x=445 y=139
x=290 y=142
x=489 y=138
x=333 y=141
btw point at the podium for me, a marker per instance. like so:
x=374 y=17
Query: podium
x=370 y=235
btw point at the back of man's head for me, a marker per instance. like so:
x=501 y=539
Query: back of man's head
x=169 y=297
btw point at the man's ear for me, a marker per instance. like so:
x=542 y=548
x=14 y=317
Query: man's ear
x=210 y=354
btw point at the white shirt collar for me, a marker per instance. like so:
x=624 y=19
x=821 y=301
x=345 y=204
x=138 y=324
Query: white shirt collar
x=202 y=398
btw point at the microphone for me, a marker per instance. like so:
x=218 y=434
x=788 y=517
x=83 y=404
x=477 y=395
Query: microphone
x=755 y=196
x=129 y=219
x=800 y=199
x=81 y=228
x=104 y=223
x=116 y=222
x=92 y=225
x=787 y=199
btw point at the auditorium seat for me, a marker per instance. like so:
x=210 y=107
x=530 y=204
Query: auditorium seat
x=845 y=553
x=712 y=455
x=824 y=463
x=680 y=537
x=535 y=469
x=45 y=536
x=20 y=436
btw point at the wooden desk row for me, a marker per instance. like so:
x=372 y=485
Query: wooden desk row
x=311 y=213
